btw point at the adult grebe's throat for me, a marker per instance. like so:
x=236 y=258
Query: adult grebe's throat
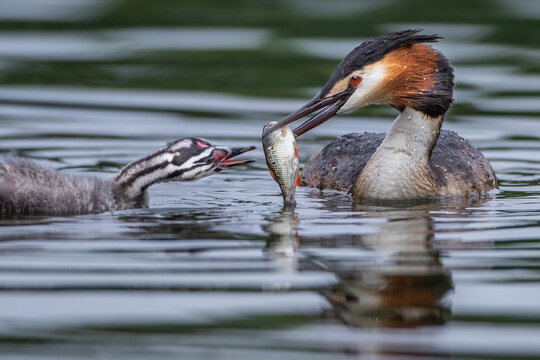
x=413 y=133
x=399 y=168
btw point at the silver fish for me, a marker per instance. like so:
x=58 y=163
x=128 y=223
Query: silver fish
x=282 y=159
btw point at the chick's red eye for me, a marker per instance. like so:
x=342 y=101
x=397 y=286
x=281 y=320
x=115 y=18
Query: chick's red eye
x=355 y=80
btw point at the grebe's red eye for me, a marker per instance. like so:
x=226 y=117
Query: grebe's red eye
x=355 y=80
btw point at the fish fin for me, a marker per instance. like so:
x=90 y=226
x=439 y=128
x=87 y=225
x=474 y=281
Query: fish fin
x=273 y=175
x=295 y=151
x=297 y=178
x=271 y=172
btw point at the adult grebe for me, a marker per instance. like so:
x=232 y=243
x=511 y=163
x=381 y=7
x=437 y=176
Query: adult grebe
x=27 y=188
x=415 y=159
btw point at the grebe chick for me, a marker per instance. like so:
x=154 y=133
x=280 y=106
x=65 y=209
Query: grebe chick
x=411 y=160
x=27 y=188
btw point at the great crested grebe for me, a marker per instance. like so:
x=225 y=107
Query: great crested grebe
x=415 y=159
x=27 y=188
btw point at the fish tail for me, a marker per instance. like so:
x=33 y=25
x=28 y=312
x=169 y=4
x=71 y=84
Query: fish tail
x=289 y=198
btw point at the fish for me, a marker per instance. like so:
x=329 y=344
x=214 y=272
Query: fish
x=282 y=159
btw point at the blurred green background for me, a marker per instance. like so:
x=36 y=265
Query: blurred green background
x=267 y=59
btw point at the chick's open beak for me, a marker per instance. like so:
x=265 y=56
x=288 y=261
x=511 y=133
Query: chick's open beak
x=332 y=103
x=228 y=162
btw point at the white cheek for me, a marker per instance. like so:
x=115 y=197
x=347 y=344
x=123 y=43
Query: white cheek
x=364 y=94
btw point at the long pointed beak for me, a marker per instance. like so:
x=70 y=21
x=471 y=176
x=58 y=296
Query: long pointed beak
x=229 y=162
x=333 y=103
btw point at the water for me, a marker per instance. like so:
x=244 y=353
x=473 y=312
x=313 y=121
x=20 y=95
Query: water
x=216 y=269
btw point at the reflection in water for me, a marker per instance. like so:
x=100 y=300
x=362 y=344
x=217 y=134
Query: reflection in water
x=283 y=239
x=406 y=287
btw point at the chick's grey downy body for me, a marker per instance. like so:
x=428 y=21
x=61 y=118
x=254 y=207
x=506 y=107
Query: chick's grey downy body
x=28 y=188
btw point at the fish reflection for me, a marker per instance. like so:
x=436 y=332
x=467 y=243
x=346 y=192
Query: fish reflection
x=282 y=239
